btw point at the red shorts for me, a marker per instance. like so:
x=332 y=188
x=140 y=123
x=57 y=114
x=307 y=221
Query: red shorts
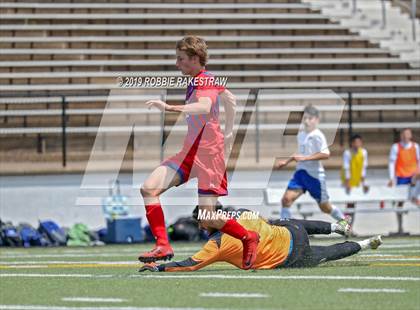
x=210 y=171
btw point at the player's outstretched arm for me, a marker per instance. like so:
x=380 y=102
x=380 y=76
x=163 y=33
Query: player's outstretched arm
x=229 y=102
x=188 y=264
x=203 y=106
x=206 y=256
x=316 y=156
x=283 y=163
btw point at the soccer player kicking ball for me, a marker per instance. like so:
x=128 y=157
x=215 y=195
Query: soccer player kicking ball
x=201 y=157
x=310 y=174
x=283 y=244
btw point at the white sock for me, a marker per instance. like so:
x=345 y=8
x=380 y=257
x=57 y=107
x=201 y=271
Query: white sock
x=336 y=213
x=364 y=244
x=285 y=213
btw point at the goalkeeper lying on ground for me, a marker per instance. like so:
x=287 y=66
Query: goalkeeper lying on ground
x=283 y=244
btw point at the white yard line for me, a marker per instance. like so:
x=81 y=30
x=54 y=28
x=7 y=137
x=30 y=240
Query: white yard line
x=219 y=276
x=81 y=264
x=22 y=257
x=89 y=250
x=51 y=275
x=208 y=276
x=116 y=254
x=41 y=262
x=400 y=246
x=402 y=241
x=62 y=255
x=381 y=255
x=402 y=251
x=93 y=299
x=372 y=259
x=46 y=262
x=26 y=266
x=370 y=290
x=70 y=265
x=234 y=295
x=36 y=307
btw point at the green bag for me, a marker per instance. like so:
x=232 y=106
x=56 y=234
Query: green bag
x=79 y=235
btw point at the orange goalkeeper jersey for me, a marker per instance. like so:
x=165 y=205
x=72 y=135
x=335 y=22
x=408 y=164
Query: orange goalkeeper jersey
x=272 y=249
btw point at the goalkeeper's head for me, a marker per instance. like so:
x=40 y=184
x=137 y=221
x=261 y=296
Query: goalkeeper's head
x=203 y=223
x=194 y=215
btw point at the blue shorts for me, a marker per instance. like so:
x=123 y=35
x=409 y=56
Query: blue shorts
x=403 y=181
x=316 y=187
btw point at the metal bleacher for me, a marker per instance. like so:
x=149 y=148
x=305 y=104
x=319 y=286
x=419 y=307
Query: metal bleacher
x=71 y=50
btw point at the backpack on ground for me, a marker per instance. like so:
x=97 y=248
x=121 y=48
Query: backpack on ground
x=55 y=233
x=78 y=235
x=186 y=229
x=31 y=237
x=9 y=234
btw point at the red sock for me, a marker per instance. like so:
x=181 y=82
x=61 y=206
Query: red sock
x=234 y=229
x=154 y=214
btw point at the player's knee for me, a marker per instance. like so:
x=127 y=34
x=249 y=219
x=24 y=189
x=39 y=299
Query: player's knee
x=325 y=207
x=286 y=202
x=326 y=211
x=148 y=191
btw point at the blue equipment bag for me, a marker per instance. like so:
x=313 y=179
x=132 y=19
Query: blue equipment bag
x=9 y=234
x=55 y=233
x=30 y=236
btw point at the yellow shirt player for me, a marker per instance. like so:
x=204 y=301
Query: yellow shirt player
x=283 y=244
x=355 y=162
x=353 y=173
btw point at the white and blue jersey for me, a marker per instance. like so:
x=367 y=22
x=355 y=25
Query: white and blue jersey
x=310 y=174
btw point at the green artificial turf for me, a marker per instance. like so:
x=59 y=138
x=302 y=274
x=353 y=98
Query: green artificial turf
x=396 y=266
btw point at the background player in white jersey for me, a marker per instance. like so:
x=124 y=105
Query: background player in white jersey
x=310 y=174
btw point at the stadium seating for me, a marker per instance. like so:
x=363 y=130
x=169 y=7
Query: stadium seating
x=77 y=50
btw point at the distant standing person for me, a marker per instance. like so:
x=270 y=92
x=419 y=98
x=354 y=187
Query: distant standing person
x=404 y=162
x=353 y=173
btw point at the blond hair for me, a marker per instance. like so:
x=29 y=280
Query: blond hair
x=194 y=46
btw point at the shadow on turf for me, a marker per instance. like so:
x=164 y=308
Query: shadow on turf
x=325 y=265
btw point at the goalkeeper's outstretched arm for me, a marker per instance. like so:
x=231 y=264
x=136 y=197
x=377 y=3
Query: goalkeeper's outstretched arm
x=188 y=264
x=206 y=256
